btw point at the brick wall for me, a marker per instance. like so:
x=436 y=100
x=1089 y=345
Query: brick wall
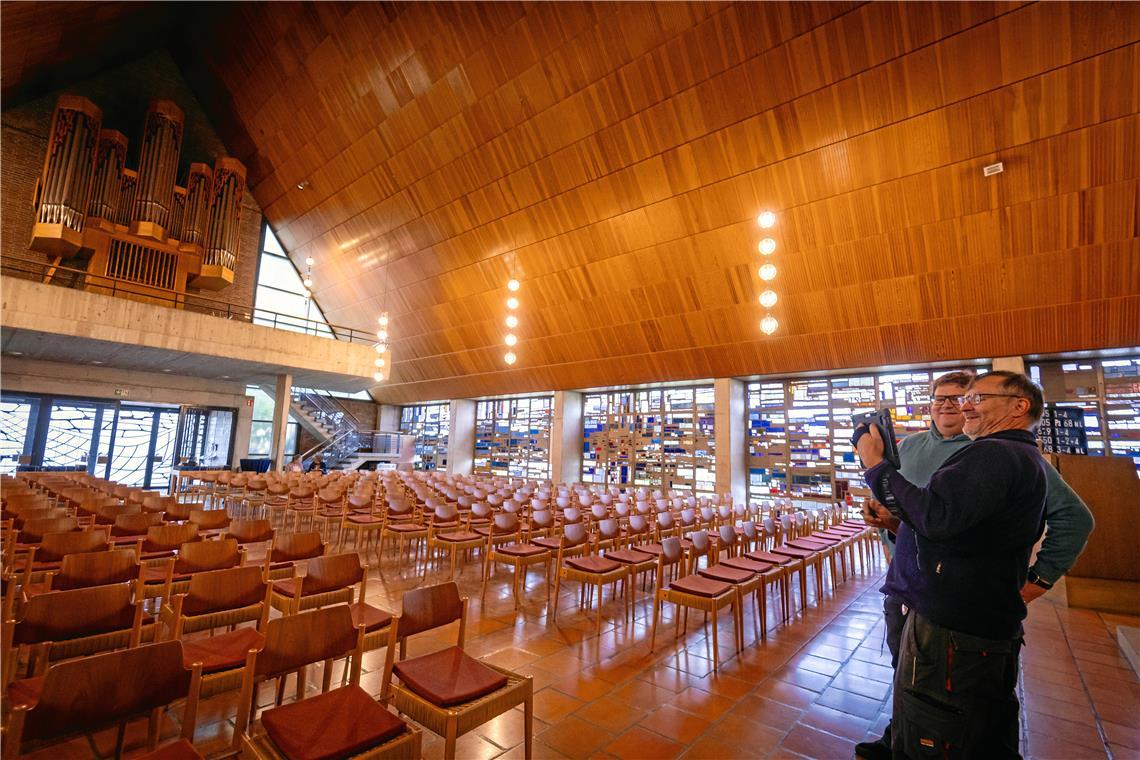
x=123 y=94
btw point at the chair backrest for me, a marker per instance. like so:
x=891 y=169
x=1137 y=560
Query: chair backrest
x=332 y=572
x=209 y=519
x=727 y=536
x=200 y=556
x=445 y=512
x=34 y=530
x=294 y=546
x=307 y=637
x=56 y=546
x=608 y=529
x=638 y=524
x=61 y=615
x=688 y=517
x=250 y=531
x=599 y=511
x=700 y=541
x=218 y=590
x=99 y=568
x=135 y=524
x=671 y=550
x=360 y=500
x=573 y=534
x=541 y=519
x=430 y=607
x=170 y=537
x=83 y=695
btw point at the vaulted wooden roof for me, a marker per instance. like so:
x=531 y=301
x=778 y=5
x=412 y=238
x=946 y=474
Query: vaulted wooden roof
x=614 y=157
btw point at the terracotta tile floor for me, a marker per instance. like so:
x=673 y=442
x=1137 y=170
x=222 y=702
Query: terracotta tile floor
x=814 y=688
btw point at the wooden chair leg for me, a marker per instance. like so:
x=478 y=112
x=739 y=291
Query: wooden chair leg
x=528 y=726
x=716 y=642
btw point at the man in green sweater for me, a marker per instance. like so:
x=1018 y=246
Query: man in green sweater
x=1068 y=521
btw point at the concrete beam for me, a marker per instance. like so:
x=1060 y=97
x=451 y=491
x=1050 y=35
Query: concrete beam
x=729 y=429
x=566 y=438
x=282 y=397
x=461 y=437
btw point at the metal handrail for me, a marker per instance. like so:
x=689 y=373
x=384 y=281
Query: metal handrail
x=46 y=273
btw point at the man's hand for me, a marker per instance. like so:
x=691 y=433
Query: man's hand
x=1031 y=591
x=878 y=516
x=870 y=447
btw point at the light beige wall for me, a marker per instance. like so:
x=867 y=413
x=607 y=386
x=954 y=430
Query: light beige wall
x=566 y=438
x=731 y=436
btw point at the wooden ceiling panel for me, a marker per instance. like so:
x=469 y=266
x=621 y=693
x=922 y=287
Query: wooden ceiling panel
x=613 y=156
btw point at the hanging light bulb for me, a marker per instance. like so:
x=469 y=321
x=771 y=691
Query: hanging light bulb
x=512 y=285
x=383 y=319
x=382 y=335
x=510 y=357
x=307 y=282
x=767 y=246
x=766 y=220
x=768 y=299
x=378 y=377
x=510 y=339
x=512 y=321
x=380 y=362
x=309 y=261
x=768 y=324
x=381 y=348
x=306 y=294
x=512 y=303
x=767 y=272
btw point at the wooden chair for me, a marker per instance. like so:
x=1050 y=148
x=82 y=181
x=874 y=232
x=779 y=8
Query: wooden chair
x=328 y=579
x=692 y=592
x=210 y=522
x=589 y=568
x=173 y=575
x=216 y=599
x=275 y=504
x=448 y=691
x=520 y=555
x=769 y=572
x=129 y=528
x=288 y=550
x=162 y=541
x=88 y=569
x=360 y=517
x=66 y=624
x=252 y=531
x=301 y=505
x=98 y=692
x=343 y=722
x=445 y=532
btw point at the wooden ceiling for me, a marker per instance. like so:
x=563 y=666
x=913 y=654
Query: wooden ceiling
x=614 y=157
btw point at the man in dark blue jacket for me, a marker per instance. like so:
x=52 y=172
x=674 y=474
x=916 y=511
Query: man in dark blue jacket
x=974 y=526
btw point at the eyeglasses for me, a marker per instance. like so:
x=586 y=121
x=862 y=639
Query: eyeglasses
x=977 y=398
x=942 y=400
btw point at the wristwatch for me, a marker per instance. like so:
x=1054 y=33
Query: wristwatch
x=1037 y=580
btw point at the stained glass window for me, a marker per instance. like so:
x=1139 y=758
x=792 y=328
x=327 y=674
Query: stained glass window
x=430 y=424
x=512 y=437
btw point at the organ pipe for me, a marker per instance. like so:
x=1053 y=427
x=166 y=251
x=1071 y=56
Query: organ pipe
x=65 y=182
x=158 y=169
x=199 y=187
x=225 y=213
x=110 y=160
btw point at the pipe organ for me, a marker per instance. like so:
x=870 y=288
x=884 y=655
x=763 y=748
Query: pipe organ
x=140 y=233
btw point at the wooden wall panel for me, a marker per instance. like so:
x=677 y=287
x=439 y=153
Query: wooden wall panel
x=614 y=156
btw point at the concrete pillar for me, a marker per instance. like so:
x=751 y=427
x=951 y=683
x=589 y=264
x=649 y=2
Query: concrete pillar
x=242 y=426
x=283 y=395
x=731 y=438
x=1010 y=364
x=566 y=438
x=461 y=437
x=389 y=418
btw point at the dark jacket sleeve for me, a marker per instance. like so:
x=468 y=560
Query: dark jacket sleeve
x=967 y=489
x=1068 y=523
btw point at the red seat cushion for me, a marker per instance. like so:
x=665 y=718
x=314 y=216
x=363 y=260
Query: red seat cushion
x=179 y=750
x=449 y=677
x=520 y=550
x=372 y=618
x=629 y=556
x=405 y=527
x=331 y=726
x=365 y=520
x=548 y=542
x=459 y=536
x=727 y=574
x=768 y=557
x=654 y=549
x=222 y=652
x=287 y=587
x=750 y=565
x=594 y=564
x=792 y=551
x=698 y=586
x=158 y=575
x=26 y=691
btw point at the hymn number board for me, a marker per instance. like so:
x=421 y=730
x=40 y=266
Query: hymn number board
x=1062 y=430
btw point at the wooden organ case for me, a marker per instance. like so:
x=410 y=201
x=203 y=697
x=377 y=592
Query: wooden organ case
x=139 y=234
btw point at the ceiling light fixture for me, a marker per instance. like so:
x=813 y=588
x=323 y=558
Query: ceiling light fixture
x=383 y=319
x=511 y=321
x=768 y=299
x=378 y=377
x=96 y=362
x=768 y=324
x=382 y=335
x=381 y=348
x=767 y=246
x=510 y=357
x=380 y=362
x=513 y=285
x=766 y=220
x=303 y=184
x=510 y=339
x=15 y=353
x=168 y=370
x=512 y=303
x=767 y=272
